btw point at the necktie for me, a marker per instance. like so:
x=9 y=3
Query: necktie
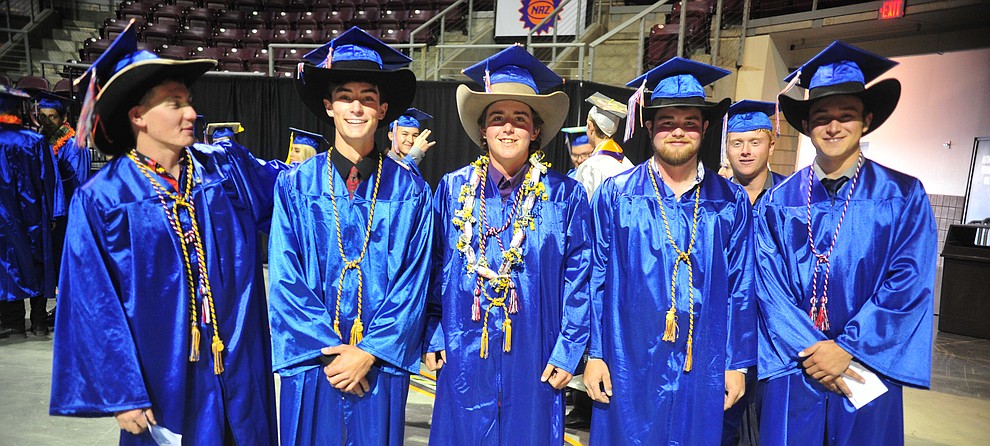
x=352 y=181
x=833 y=186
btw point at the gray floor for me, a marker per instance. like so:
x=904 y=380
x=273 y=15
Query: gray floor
x=956 y=411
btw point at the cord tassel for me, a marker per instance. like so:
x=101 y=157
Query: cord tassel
x=507 y=331
x=357 y=331
x=476 y=306
x=821 y=322
x=670 y=332
x=194 y=343
x=689 y=359
x=336 y=328
x=217 y=348
x=513 y=302
x=484 y=342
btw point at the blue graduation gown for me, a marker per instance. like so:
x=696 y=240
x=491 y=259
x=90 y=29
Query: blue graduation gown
x=73 y=166
x=500 y=400
x=27 y=185
x=879 y=301
x=304 y=270
x=123 y=314
x=654 y=401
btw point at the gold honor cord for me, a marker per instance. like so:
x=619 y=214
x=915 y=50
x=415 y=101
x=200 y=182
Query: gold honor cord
x=357 y=330
x=186 y=201
x=670 y=331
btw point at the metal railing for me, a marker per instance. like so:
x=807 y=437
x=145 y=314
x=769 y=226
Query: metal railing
x=452 y=69
x=638 y=18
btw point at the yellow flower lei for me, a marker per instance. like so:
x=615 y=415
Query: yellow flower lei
x=501 y=279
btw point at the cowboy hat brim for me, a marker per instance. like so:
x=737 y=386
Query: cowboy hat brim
x=711 y=111
x=880 y=99
x=552 y=108
x=112 y=133
x=397 y=89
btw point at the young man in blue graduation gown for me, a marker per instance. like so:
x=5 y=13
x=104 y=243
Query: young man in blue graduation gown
x=508 y=309
x=846 y=255
x=409 y=141
x=578 y=147
x=349 y=257
x=673 y=320
x=27 y=185
x=749 y=143
x=161 y=316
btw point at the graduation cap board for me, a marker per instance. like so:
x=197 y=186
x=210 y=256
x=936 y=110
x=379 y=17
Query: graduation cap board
x=410 y=118
x=748 y=115
x=11 y=98
x=606 y=113
x=221 y=131
x=356 y=56
x=512 y=74
x=116 y=81
x=842 y=69
x=308 y=140
x=576 y=136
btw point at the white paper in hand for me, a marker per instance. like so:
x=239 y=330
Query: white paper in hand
x=863 y=393
x=162 y=435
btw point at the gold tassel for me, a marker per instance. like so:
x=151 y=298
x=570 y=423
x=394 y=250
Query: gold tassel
x=336 y=328
x=194 y=343
x=670 y=333
x=507 y=331
x=484 y=342
x=357 y=331
x=689 y=359
x=217 y=357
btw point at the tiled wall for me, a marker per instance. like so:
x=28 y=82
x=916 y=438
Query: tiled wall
x=948 y=210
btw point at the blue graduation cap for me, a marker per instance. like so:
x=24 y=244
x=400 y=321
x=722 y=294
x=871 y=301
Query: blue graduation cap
x=842 y=69
x=51 y=100
x=302 y=137
x=748 y=115
x=116 y=81
x=356 y=56
x=11 y=98
x=679 y=82
x=222 y=131
x=512 y=74
x=410 y=118
x=576 y=136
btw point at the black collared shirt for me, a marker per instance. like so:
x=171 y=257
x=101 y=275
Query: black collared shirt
x=366 y=166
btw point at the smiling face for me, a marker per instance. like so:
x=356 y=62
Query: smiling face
x=835 y=125
x=508 y=127
x=404 y=137
x=748 y=153
x=165 y=117
x=356 y=108
x=676 y=134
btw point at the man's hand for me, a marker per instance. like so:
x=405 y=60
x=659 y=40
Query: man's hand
x=432 y=362
x=135 y=421
x=347 y=372
x=556 y=376
x=825 y=362
x=735 y=387
x=421 y=141
x=596 y=375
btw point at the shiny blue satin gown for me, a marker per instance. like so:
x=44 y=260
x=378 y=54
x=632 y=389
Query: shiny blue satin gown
x=123 y=318
x=654 y=400
x=304 y=270
x=28 y=181
x=879 y=303
x=500 y=400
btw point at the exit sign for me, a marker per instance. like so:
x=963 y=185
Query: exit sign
x=891 y=9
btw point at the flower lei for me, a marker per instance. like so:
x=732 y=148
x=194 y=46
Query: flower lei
x=500 y=279
x=10 y=119
x=62 y=136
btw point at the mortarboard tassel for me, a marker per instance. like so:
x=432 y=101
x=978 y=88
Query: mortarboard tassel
x=217 y=348
x=357 y=331
x=689 y=359
x=488 y=79
x=776 y=108
x=637 y=97
x=299 y=71
x=476 y=306
x=670 y=332
x=724 y=159
x=484 y=342
x=329 y=59
x=194 y=343
x=507 y=332
x=85 y=125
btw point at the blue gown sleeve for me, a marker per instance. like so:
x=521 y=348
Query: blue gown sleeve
x=574 y=333
x=393 y=334
x=300 y=322
x=741 y=344
x=434 y=338
x=601 y=210
x=95 y=370
x=892 y=332
x=255 y=180
x=785 y=329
